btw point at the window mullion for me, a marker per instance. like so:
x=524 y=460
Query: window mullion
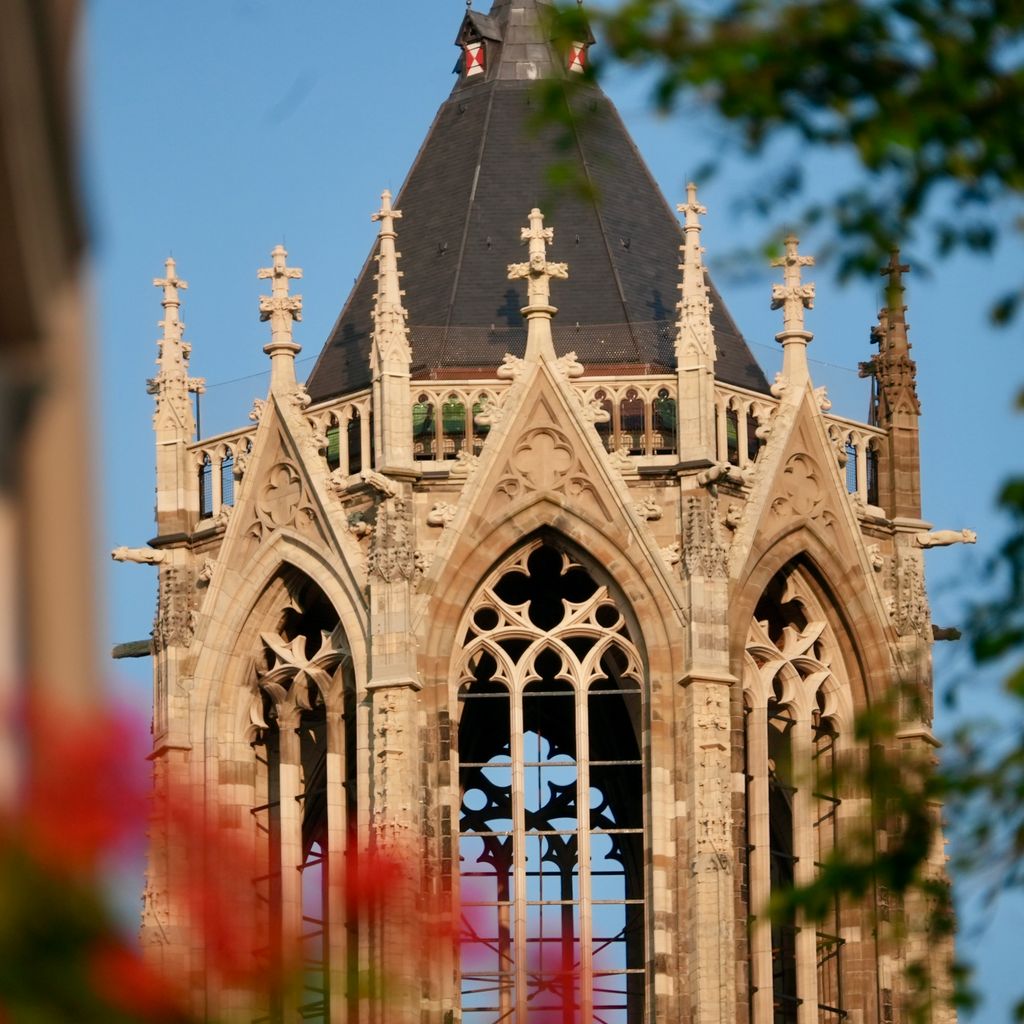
x=519 y=948
x=759 y=886
x=804 y=870
x=583 y=854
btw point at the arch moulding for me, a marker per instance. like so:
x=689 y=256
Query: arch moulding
x=654 y=609
x=227 y=623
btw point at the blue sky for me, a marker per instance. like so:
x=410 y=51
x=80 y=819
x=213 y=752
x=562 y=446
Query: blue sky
x=214 y=129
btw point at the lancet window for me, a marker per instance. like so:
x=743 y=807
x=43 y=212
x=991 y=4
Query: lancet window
x=300 y=692
x=797 y=703
x=205 y=488
x=356 y=435
x=550 y=700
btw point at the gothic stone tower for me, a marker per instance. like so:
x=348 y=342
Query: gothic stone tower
x=562 y=623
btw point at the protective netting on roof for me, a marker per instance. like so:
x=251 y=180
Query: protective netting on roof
x=435 y=349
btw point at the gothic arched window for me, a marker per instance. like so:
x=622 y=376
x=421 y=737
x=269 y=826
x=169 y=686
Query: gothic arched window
x=301 y=677
x=798 y=702
x=550 y=721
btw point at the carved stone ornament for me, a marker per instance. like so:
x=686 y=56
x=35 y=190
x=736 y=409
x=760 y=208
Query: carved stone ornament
x=422 y=561
x=512 y=367
x=779 y=385
x=568 y=367
x=175 y=615
x=764 y=423
x=359 y=526
x=876 y=557
x=338 y=482
x=259 y=406
x=908 y=605
x=802 y=493
x=821 y=397
x=317 y=438
x=714 y=812
x=838 y=439
x=464 y=465
x=543 y=459
x=620 y=460
x=593 y=411
x=379 y=482
x=733 y=515
x=389 y=744
x=206 y=572
x=140 y=556
x=282 y=502
x=441 y=514
x=280 y=497
x=648 y=509
x=490 y=415
x=391 y=552
x=943 y=538
x=673 y=554
x=713 y=474
x=299 y=397
x=703 y=552
x=291 y=677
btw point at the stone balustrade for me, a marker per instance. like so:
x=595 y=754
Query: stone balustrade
x=220 y=461
x=451 y=417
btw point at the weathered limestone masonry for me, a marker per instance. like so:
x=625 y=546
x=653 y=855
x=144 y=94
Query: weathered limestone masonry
x=576 y=638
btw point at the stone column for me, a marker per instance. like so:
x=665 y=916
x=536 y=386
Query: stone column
x=395 y=833
x=802 y=740
x=290 y=847
x=710 y=901
x=759 y=868
x=396 y=817
x=338 y=835
x=705 y=735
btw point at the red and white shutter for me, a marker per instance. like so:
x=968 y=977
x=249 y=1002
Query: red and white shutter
x=578 y=57
x=474 y=58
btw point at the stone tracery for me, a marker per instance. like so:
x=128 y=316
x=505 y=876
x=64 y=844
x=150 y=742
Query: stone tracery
x=550 y=721
x=798 y=714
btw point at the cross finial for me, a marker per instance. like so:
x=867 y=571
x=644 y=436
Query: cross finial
x=387 y=214
x=691 y=208
x=538 y=272
x=280 y=308
x=793 y=295
x=280 y=274
x=171 y=284
x=388 y=290
x=895 y=270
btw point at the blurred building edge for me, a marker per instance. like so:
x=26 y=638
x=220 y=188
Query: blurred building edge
x=46 y=598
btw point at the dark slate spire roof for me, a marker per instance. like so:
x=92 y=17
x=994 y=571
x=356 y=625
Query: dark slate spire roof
x=481 y=169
